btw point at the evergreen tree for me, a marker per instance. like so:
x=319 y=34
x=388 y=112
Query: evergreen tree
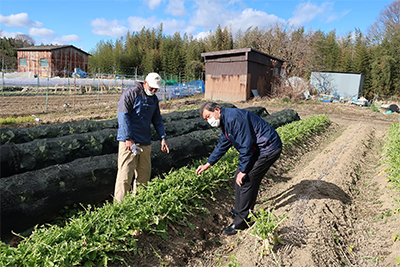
x=148 y=61
x=362 y=64
x=345 y=63
x=330 y=51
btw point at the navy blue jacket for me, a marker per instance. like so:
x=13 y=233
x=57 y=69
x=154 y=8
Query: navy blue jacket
x=136 y=112
x=249 y=134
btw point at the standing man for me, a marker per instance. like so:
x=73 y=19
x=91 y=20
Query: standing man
x=259 y=146
x=137 y=109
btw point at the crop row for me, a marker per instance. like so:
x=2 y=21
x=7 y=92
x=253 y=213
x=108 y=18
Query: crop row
x=392 y=154
x=23 y=135
x=93 y=237
x=47 y=174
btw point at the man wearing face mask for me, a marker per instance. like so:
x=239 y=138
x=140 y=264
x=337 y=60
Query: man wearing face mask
x=259 y=146
x=138 y=108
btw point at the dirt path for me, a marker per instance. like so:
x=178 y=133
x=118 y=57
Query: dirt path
x=339 y=207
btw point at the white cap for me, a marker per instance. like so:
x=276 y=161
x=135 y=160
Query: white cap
x=154 y=80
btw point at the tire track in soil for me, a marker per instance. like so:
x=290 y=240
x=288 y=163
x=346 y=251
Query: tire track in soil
x=318 y=194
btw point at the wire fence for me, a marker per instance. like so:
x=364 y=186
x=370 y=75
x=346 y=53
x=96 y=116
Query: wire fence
x=28 y=83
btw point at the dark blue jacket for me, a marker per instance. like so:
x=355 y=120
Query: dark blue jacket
x=136 y=112
x=248 y=133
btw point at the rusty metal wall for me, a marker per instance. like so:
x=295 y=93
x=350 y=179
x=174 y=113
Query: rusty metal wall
x=61 y=61
x=33 y=62
x=66 y=59
x=226 y=68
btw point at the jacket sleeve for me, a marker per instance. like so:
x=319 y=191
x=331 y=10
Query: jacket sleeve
x=158 y=122
x=125 y=105
x=222 y=147
x=245 y=142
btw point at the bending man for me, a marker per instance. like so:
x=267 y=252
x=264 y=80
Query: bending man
x=259 y=146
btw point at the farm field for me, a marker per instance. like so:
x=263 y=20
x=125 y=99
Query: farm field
x=339 y=206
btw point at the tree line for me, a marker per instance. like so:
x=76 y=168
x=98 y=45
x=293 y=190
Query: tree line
x=374 y=53
x=8 y=49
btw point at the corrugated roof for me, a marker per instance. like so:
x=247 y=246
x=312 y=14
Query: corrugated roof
x=236 y=51
x=47 y=48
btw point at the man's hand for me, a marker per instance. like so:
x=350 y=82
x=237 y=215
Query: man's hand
x=202 y=168
x=164 y=146
x=128 y=144
x=239 y=178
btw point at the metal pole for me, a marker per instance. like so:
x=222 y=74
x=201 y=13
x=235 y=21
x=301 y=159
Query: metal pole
x=135 y=73
x=2 y=74
x=38 y=63
x=47 y=91
x=115 y=78
x=98 y=91
x=165 y=92
x=69 y=88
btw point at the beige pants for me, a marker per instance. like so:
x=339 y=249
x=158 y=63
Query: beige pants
x=128 y=165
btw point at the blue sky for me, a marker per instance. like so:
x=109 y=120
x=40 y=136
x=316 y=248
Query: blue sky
x=84 y=23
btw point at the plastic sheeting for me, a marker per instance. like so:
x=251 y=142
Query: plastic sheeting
x=181 y=90
x=170 y=91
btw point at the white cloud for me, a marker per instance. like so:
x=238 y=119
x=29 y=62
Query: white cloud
x=176 y=8
x=201 y=35
x=41 y=32
x=153 y=4
x=66 y=39
x=210 y=14
x=190 y=29
x=170 y=26
x=137 y=23
x=305 y=12
x=19 y=20
x=104 y=27
x=335 y=16
x=9 y=34
x=253 y=18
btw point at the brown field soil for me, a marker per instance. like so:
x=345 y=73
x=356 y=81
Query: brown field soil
x=339 y=205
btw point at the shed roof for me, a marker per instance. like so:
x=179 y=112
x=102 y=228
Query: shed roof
x=48 y=48
x=236 y=51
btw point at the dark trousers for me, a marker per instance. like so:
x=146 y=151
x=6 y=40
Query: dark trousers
x=246 y=195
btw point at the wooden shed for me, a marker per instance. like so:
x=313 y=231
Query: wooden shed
x=51 y=60
x=233 y=75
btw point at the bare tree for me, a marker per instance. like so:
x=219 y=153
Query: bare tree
x=386 y=23
x=23 y=40
x=291 y=44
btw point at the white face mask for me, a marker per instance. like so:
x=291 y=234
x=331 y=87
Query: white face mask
x=148 y=92
x=213 y=122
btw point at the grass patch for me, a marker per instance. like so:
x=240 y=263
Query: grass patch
x=11 y=120
x=392 y=154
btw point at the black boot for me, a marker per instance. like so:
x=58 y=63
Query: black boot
x=233 y=229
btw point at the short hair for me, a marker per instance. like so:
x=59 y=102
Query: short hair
x=210 y=106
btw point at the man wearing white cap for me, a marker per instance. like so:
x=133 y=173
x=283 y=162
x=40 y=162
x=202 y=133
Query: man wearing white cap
x=137 y=109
